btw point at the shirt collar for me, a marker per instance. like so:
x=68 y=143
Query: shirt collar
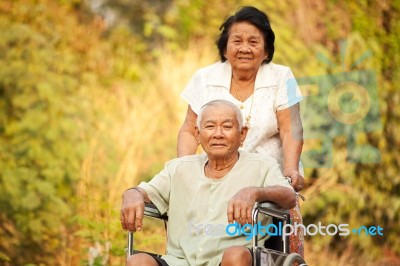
x=221 y=76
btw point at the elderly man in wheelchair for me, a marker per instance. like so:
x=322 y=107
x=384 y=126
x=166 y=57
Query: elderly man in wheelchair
x=210 y=198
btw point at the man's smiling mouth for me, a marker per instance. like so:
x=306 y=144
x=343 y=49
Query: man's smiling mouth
x=218 y=145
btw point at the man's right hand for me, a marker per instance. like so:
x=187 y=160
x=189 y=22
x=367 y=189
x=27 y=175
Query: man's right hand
x=132 y=210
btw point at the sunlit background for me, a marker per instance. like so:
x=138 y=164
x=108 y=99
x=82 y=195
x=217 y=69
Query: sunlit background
x=90 y=105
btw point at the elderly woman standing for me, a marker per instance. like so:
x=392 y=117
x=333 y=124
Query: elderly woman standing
x=266 y=93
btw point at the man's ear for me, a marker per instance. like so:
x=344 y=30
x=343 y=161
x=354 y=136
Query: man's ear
x=197 y=134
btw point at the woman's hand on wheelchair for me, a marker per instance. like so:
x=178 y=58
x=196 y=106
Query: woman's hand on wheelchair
x=296 y=180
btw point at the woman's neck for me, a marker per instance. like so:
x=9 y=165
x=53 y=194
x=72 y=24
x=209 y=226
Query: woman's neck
x=244 y=76
x=243 y=88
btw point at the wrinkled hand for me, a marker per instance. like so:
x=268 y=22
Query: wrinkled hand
x=132 y=210
x=297 y=181
x=241 y=205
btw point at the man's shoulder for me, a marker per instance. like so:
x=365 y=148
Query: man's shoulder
x=258 y=157
x=196 y=158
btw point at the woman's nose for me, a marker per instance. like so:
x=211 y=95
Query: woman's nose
x=244 y=49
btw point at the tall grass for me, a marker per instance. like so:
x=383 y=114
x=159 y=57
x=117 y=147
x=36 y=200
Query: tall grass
x=135 y=130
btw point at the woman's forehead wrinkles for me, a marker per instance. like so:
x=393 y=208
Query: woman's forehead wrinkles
x=239 y=33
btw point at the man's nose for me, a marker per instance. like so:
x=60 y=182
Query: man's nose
x=218 y=132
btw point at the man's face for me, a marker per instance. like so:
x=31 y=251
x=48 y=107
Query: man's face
x=219 y=133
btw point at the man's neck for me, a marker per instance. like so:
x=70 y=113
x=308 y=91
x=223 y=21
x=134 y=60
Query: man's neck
x=217 y=169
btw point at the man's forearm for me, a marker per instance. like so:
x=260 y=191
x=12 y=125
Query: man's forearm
x=283 y=196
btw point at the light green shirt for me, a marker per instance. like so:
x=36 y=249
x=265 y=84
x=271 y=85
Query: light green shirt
x=197 y=205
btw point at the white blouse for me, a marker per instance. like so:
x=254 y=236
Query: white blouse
x=275 y=89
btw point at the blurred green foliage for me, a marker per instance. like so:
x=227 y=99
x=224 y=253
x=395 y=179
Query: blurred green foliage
x=89 y=105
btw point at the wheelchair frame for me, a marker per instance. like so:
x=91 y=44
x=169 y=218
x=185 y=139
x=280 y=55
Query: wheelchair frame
x=262 y=256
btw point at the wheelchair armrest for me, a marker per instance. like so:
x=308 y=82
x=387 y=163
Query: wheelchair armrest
x=151 y=210
x=273 y=209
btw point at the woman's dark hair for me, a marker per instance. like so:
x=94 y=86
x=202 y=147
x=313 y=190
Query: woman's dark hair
x=257 y=18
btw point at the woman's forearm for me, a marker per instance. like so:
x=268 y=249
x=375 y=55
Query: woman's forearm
x=291 y=134
x=291 y=153
x=187 y=144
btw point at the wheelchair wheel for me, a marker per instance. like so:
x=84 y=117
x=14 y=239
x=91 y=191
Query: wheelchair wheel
x=294 y=259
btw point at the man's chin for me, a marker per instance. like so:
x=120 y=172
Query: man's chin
x=218 y=152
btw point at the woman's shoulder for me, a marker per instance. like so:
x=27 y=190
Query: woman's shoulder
x=212 y=68
x=278 y=72
x=277 y=68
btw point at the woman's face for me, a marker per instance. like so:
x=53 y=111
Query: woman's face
x=245 y=48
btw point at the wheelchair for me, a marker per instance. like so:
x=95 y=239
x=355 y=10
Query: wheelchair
x=275 y=250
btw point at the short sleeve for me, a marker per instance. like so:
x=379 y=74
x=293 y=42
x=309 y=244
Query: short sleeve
x=194 y=92
x=288 y=93
x=158 y=190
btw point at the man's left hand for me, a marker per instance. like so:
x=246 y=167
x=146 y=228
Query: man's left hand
x=241 y=205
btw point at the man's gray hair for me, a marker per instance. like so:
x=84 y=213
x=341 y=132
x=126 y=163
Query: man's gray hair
x=239 y=115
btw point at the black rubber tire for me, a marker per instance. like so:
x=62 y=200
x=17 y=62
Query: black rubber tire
x=292 y=258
